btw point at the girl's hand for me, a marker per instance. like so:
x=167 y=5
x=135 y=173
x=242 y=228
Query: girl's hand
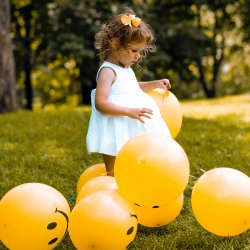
x=163 y=84
x=138 y=113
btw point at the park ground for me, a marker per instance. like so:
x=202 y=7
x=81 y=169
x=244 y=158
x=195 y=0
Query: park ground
x=49 y=147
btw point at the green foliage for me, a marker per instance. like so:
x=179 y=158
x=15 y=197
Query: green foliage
x=49 y=147
x=195 y=39
x=56 y=83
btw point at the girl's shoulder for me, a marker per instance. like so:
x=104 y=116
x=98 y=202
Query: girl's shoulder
x=105 y=68
x=115 y=67
x=107 y=74
x=118 y=70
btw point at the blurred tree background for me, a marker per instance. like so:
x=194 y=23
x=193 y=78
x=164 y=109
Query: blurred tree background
x=202 y=47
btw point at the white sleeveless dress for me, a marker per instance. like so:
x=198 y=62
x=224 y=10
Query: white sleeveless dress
x=108 y=133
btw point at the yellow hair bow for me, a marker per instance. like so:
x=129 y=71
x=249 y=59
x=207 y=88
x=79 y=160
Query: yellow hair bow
x=131 y=19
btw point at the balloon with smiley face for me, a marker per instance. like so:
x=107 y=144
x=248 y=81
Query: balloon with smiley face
x=151 y=169
x=157 y=216
x=33 y=216
x=102 y=220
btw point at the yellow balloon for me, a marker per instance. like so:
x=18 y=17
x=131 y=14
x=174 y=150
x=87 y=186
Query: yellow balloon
x=221 y=201
x=89 y=173
x=151 y=169
x=96 y=184
x=102 y=220
x=157 y=216
x=170 y=109
x=33 y=216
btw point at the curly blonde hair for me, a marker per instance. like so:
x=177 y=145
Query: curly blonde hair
x=124 y=34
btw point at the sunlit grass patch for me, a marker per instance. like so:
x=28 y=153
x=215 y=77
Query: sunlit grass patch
x=235 y=106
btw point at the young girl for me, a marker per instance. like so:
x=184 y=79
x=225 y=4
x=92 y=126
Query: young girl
x=120 y=107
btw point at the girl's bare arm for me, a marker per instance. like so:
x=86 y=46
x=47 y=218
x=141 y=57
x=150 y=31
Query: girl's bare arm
x=105 y=80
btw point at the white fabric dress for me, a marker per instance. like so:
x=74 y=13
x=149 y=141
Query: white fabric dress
x=108 y=133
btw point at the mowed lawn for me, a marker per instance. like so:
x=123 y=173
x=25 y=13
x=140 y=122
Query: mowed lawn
x=49 y=147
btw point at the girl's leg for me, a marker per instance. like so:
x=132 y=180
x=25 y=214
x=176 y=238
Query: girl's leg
x=109 y=161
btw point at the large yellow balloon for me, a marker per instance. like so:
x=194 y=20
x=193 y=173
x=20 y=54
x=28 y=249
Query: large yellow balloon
x=89 y=173
x=221 y=201
x=170 y=109
x=33 y=216
x=96 y=184
x=102 y=220
x=151 y=169
x=159 y=216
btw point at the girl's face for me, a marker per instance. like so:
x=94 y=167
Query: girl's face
x=131 y=55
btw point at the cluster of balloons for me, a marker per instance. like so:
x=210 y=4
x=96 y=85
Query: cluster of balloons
x=37 y=216
x=152 y=170
x=150 y=174
x=108 y=209
x=149 y=191
x=220 y=198
x=101 y=218
x=105 y=217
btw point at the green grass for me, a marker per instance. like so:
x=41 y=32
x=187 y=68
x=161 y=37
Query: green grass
x=49 y=147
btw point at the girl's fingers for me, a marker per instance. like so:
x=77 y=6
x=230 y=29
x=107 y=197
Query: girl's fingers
x=166 y=83
x=141 y=120
x=145 y=110
x=147 y=116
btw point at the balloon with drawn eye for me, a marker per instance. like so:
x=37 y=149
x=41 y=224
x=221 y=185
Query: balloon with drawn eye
x=89 y=173
x=221 y=201
x=97 y=184
x=151 y=169
x=158 y=216
x=33 y=216
x=102 y=220
x=170 y=109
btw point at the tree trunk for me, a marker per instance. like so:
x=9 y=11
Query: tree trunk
x=210 y=93
x=86 y=73
x=27 y=57
x=7 y=67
